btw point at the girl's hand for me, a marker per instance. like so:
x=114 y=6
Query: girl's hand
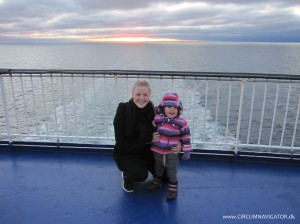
x=186 y=156
x=177 y=149
x=155 y=137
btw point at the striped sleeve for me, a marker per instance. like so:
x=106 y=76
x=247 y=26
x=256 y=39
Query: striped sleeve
x=186 y=138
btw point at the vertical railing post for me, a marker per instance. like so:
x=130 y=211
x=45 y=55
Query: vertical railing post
x=239 y=117
x=64 y=102
x=217 y=110
x=228 y=108
x=74 y=105
x=44 y=105
x=262 y=113
x=194 y=107
x=84 y=103
x=54 y=108
x=295 y=128
x=25 y=112
x=251 y=110
x=5 y=109
x=205 y=111
x=285 y=114
x=274 y=113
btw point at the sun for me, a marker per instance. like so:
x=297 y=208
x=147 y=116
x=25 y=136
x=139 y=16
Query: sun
x=296 y=11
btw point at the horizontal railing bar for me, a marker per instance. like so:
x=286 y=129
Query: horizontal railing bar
x=60 y=136
x=102 y=148
x=225 y=79
x=249 y=146
x=213 y=143
x=156 y=73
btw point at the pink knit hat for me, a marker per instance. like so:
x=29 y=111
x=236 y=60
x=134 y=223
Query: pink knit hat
x=171 y=100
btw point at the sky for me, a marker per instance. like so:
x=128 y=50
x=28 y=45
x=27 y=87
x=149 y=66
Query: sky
x=149 y=20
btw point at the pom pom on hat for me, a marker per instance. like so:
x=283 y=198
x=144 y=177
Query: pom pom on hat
x=170 y=99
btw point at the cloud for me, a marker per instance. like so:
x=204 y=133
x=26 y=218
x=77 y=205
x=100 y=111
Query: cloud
x=236 y=20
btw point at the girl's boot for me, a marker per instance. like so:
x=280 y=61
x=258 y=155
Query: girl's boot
x=155 y=183
x=173 y=188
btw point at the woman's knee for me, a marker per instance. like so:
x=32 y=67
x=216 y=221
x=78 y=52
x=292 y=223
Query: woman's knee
x=138 y=174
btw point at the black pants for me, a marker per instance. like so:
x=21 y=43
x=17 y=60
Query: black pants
x=136 y=167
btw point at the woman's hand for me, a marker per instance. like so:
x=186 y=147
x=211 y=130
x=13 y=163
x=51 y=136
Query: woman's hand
x=155 y=137
x=177 y=149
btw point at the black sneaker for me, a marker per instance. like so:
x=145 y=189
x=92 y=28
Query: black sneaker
x=127 y=184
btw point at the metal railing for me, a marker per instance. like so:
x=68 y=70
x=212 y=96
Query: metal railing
x=227 y=112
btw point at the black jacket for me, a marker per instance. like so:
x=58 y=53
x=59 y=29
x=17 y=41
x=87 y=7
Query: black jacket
x=133 y=130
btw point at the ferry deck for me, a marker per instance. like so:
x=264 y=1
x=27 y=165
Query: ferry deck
x=83 y=187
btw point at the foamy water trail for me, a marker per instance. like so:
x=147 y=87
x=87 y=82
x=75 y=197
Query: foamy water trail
x=91 y=114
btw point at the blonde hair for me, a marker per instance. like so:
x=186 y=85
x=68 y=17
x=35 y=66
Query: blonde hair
x=142 y=82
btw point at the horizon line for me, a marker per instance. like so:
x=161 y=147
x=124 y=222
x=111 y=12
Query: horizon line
x=137 y=39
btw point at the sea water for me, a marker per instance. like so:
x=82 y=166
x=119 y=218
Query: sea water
x=271 y=58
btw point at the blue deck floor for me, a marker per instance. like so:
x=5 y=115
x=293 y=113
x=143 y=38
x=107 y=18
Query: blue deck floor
x=52 y=187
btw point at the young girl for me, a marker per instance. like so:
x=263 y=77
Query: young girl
x=172 y=130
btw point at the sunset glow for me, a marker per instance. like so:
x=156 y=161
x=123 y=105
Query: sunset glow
x=133 y=39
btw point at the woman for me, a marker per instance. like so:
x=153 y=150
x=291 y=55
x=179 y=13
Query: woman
x=133 y=134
